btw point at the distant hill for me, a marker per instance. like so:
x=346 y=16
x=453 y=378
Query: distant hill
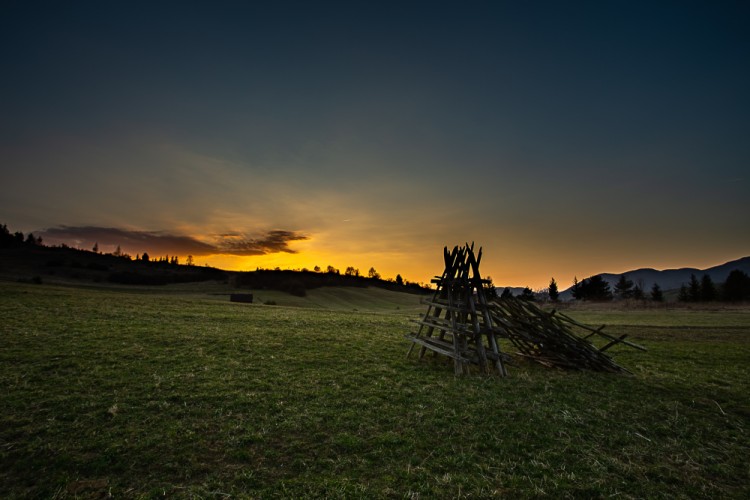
x=670 y=279
x=34 y=262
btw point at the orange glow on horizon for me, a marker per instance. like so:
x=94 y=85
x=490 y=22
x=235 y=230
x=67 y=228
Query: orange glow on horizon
x=413 y=269
x=310 y=260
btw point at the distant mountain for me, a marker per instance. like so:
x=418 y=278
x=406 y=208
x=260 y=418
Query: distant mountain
x=670 y=279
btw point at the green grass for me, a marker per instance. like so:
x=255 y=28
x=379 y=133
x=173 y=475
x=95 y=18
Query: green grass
x=185 y=394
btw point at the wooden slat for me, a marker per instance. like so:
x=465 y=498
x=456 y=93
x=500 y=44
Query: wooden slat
x=444 y=348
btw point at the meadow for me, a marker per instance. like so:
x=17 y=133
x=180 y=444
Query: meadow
x=175 y=391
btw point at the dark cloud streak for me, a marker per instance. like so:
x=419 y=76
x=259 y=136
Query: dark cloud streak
x=272 y=242
x=160 y=242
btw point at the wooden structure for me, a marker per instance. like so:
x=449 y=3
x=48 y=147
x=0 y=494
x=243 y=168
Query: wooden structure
x=554 y=339
x=458 y=323
x=463 y=323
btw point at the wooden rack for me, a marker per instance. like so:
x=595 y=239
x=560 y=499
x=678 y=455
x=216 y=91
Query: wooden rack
x=457 y=322
x=464 y=324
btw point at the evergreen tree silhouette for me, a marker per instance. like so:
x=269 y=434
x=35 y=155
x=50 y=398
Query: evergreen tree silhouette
x=554 y=293
x=708 y=289
x=683 y=295
x=694 y=289
x=737 y=286
x=624 y=288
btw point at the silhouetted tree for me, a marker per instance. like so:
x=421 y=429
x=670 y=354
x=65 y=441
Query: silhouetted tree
x=708 y=289
x=189 y=261
x=372 y=273
x=554 y=293
x=399 y=280
x=683 y=295
x=527 y=294
x=316 y=269
x=576 y=289
x=96 y=248
x=656 y=294
x=637 y=293
x=6 y=239
x=331 y=270
x=737 y=286
x=507 y=293
x=624 y=287
x=594 y=288
x=145 y=257
x=489 y=288
x=350 y=271
x=694 y=289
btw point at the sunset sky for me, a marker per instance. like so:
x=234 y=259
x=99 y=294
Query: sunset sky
x=566 y=138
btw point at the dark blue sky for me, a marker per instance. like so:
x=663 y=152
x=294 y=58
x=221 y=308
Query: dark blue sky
x=568 y=138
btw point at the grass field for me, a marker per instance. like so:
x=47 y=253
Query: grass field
x=181 y=393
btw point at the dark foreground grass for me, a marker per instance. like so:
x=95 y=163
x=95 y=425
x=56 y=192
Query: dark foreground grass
x=142 y=396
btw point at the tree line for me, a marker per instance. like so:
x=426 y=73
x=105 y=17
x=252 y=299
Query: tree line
x=735 y=288
x=354 y=272
x=330 y=274
x=595 y=288
x=17 y=239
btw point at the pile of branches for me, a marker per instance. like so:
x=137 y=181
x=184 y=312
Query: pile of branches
x=552 y=338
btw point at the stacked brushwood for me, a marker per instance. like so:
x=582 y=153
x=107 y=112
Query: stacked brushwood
x=554 y=339
x=467 y=324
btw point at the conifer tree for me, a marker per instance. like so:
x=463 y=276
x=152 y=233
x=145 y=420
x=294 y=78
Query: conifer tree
x=737 y=286
x=694 y=289
x=708 y=289
x=624 y=288
x=594 y=288
x=576 y=289
x=554 y=293
x=656 y=293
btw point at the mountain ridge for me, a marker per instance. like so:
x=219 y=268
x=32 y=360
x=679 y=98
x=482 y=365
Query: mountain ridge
x=670 y=279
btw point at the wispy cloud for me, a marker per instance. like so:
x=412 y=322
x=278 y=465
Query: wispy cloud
x=272 y=242
x=160 y=242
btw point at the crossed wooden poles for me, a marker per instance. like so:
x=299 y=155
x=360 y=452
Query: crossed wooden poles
x=462 y=324
x=457 y=323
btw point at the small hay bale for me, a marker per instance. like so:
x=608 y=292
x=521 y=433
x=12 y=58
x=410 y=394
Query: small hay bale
x=246 y=298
